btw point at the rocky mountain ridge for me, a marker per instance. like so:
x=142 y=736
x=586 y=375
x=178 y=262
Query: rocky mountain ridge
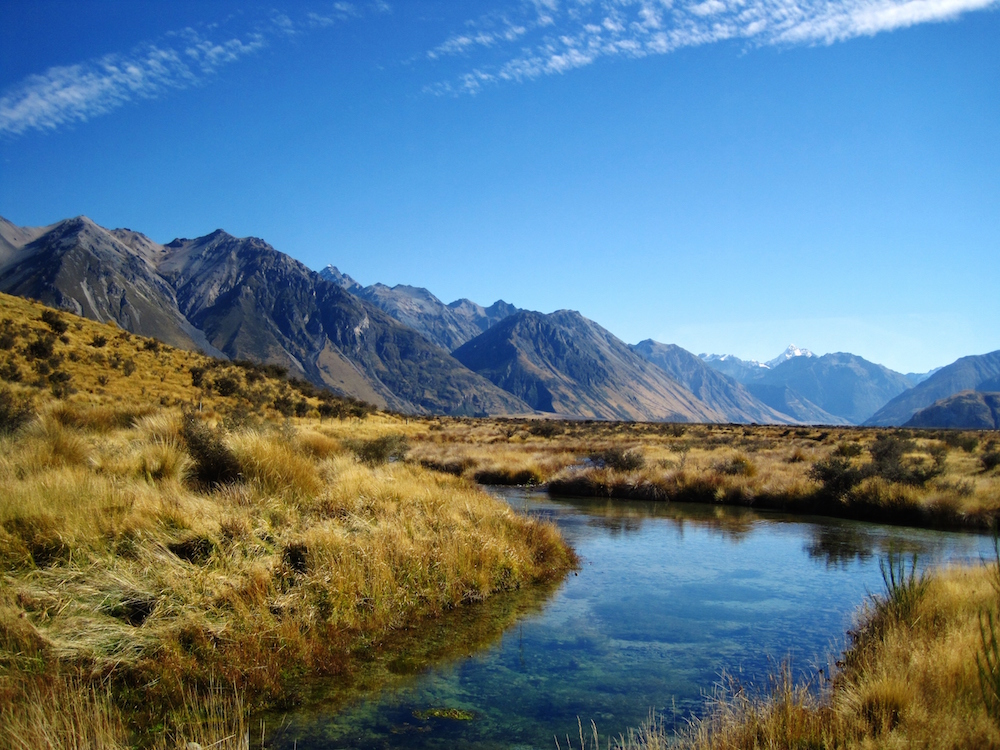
x=241 y=298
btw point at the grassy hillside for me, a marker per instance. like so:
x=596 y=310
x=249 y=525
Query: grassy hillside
x=170 y=524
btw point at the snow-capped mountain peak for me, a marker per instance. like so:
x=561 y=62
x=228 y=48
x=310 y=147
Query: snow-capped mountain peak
x=790 y=353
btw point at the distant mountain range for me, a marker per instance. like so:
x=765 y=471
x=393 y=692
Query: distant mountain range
x=403 y=348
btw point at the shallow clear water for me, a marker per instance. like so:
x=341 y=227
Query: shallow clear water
x=667 y=599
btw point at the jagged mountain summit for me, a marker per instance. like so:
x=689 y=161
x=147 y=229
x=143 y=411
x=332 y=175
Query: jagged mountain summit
x=332 y=273
x=241 y=298
x=726 y=395
x=448 y=326
x=562 y=363
x=79 y=266
x=979 y=372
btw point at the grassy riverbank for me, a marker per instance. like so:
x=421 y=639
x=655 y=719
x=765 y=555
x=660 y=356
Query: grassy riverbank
x=910 y=679
x=943 y=479
x=181 y=538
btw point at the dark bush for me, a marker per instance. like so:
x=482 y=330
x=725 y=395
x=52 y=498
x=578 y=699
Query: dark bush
x=888 y=452
x=197 y=376
x=837 y=475
x=98 y=341
x=10 y=372
x=990 y=459
x=283 y=405
x=227 y=384
x=545 y=429
x=41 y=348
x=848 y=450
x=963 y=440
x=15 y=411
x=59 y=384
x=128 y=367
x=380 y=450
x=329 y=409
x=55 y=322
x=736 y=466
x=619 y=459
x=151 y=345
x=214 y=463
x=8 y=336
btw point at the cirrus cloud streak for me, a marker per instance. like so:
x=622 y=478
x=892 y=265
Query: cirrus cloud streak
x=545 y=37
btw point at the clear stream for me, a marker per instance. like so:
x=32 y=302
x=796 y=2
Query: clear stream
x=668 y=598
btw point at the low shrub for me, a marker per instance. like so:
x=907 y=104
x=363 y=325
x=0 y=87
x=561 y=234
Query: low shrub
x=214 y=463
x=837 y=475
x=55 y=322
x=619 y=459
x=848 y=450
x=15 y=411
x=737 y=465
x=545 y=429
x=380 y=450
x=963 y=440
x=42 y=347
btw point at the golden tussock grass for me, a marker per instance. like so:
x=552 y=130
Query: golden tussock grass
x=166 y=527
x=119 y=567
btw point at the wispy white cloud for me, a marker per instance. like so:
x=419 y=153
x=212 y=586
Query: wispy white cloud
x=76 y=93
x=559 y=35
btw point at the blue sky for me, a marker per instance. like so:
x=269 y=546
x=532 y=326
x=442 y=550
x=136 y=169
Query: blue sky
x=728 y=176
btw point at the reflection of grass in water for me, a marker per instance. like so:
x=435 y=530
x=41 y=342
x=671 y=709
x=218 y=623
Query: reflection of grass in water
x=840 y=543
x=399 y=657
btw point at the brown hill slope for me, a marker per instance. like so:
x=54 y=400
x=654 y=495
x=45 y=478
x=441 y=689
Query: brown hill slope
x=974 y=373
x=968 y=410
x=565 y=364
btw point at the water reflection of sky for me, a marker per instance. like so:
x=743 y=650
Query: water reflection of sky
x=667 y=598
